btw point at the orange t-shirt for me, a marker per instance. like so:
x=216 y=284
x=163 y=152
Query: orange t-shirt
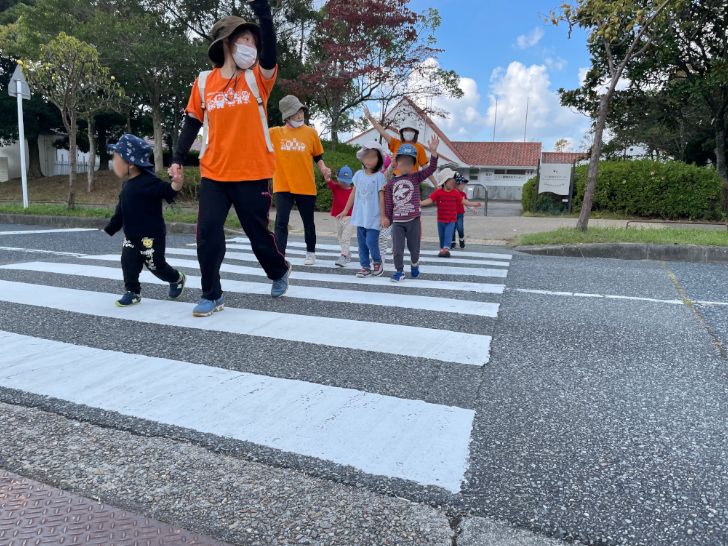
x=422 y=159
x=295 y=150
x=236 y=149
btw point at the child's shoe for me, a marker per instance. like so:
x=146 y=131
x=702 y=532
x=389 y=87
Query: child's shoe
x=378 y=270
x=364 y=272
x=415 y=270
x=205 y=307
x=280 y=287
x=462 y=243
x=342 y=261
x=310 y=259
x=398 y=276
x=444 y=253
x=452 y=245
x=175 y=288
x=129 y=298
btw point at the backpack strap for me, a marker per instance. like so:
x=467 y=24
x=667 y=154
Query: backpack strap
x=201 y=81
x=253 y=85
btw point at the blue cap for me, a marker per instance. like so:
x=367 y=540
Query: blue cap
x=407 y=150
x=133 y=150
x=346 y=175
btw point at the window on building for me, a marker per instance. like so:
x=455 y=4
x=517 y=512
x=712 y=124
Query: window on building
x=473 y=174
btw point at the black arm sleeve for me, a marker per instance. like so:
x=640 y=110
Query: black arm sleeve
x=268 y=46
x=318 y=158
x=186 y=138
x=116 y=222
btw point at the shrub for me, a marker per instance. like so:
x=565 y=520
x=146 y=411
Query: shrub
x=668 y=190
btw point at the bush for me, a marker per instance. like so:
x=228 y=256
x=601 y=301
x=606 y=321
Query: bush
x=671 y=190
x=545 y=202
x=334 y=159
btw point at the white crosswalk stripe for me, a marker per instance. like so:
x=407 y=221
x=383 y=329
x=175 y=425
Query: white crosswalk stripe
x=299 y=417
x=433 y=269
x=380 y=435
x=44 y=231
x=426 y=303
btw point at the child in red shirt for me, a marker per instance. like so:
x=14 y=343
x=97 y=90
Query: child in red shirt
x=448 y=199
x=460 y=184
x=340 y=192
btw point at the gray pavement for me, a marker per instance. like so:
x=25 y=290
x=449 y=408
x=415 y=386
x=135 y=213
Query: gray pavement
x=599 y=416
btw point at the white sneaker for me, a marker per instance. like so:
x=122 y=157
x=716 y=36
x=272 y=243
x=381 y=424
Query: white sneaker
x=342 y=261
x=310 y=258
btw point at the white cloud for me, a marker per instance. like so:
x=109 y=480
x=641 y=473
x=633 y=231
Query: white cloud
x=622 y=83
x=524 y=41
x=555 y=63
x=548 y=121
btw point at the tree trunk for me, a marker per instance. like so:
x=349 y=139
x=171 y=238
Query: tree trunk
x=596 y=152
x=72 y=150
x=101 y=139
x=158 y=135
x=34 y=170
x=720 y=159
x=91 y=154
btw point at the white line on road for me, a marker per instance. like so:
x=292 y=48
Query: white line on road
x=39 y=231
x=433 y=269
x=381 y=435
x=470 y=254
x=354 y=255
x=597 y=296
x=41 y=251
x=412 y=341
x=382 y=299
x=424 y=284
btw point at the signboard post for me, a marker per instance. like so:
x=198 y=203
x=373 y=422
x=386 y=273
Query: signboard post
x=556 y=178
x=18 y=87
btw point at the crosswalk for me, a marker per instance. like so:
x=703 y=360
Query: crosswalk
x=327 y=312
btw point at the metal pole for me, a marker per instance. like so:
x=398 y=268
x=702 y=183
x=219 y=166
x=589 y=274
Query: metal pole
x=495 y=122
x=21 y=139
x=525 y=125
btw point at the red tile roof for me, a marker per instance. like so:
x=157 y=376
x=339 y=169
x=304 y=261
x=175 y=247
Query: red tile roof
x=506 y=154
x=563 y=157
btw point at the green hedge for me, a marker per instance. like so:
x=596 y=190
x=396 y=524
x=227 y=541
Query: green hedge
x=671 y=190
x=343 y=155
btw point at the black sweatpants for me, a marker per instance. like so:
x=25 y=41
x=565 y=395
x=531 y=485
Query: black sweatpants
x=138 y=252
x=306 y=205
x=251 y=200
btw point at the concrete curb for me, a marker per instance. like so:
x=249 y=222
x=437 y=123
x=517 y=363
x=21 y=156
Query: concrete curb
x=80 y=222
x=633 y=251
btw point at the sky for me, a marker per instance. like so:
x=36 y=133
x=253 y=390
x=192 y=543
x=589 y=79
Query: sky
x=505 y=49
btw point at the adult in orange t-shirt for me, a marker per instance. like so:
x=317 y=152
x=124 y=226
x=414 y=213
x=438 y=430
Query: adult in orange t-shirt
x=297 y=147
x=408 y=135
x=237 y=163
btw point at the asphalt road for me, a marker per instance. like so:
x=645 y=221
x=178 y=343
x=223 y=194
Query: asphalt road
x=586 y=402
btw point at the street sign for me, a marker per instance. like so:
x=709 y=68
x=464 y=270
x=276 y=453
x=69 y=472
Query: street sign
x=555 y=178
x=23 y=89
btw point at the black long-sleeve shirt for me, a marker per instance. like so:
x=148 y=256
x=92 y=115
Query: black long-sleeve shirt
x=139 y=210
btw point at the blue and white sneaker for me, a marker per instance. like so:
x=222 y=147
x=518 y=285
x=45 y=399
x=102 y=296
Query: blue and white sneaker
x=130 y=298
x=175 y=288
x=280 y=287
x=205 y=308
x=415 y=270
x=398 y=276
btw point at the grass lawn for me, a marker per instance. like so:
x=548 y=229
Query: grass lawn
x=657 y=236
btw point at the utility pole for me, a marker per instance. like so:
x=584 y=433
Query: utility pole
x=495 y=122
x=525 y=126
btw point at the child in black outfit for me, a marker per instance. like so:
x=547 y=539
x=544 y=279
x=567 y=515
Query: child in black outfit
x=139 y=213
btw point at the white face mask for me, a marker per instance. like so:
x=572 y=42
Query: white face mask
x=295 y=124
x=245 y=56
x=408 y=135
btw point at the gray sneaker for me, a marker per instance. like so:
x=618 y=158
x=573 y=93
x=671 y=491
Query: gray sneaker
x=280 y=287
x=342 y=261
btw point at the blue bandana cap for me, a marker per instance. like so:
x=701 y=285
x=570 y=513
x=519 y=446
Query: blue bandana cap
x=133 y=150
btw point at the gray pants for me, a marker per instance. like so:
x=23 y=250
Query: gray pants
x=411 y=233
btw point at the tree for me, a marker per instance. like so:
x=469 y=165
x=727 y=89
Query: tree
x=619 y=31
x=68 y=74
x=561 y=145
x=365 y=50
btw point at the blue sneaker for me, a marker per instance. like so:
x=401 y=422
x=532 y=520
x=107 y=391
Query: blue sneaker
x=280 y=287
x=415 y=270
x=130 y=298
x=175 y=288
x=205 y=307
x=398 y=276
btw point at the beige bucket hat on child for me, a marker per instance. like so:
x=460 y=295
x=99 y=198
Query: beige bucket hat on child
x=444 y=175
x=371 y=145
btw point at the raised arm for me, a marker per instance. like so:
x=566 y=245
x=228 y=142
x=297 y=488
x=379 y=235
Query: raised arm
x=378 y=126
x=269 y=46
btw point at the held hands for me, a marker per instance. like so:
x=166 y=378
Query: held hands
x=175 y=172
x=385 y=222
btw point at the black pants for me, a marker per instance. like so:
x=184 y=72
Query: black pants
x=138 y=252
x=306 y=205
x=252 y=203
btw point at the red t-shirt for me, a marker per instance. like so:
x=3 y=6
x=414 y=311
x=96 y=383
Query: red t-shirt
x=461 y=206
x=447 y=204
x=340 y=198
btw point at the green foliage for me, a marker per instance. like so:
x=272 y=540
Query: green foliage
x=671 y=190
x=340 y=156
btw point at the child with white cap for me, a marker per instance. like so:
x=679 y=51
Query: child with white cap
x=367 y=201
